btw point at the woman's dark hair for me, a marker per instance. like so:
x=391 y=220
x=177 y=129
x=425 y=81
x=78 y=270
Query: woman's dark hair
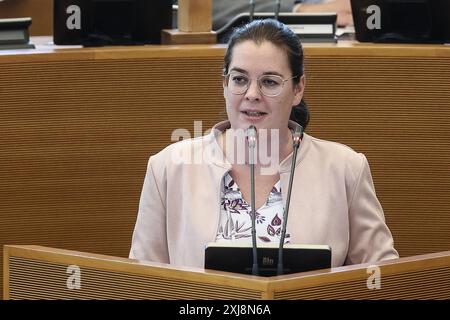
x=272 y=31
x=300 y=114
x=281 y=36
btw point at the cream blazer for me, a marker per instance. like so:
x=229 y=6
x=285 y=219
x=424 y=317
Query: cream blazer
x=333 y=202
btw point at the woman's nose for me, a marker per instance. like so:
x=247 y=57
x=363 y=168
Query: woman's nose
x=253 y=92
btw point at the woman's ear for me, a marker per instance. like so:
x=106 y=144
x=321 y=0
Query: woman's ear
x=299 y=90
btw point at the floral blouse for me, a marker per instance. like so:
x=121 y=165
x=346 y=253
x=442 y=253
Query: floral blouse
x=235 y=223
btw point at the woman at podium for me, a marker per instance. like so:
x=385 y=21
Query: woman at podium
x=198 y=191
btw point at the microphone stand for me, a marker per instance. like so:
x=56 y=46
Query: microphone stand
x=277 y=8
x=251 y=136
x=252 y=10
x=296 y=137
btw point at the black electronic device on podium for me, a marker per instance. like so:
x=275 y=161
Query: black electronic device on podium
x=237 y=258
x=309 y=27
x=402 y=21
x=110 y=22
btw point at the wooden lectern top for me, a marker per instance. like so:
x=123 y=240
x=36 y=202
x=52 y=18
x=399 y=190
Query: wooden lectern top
x=35 y=272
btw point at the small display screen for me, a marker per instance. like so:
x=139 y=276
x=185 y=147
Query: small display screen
x=10 y=35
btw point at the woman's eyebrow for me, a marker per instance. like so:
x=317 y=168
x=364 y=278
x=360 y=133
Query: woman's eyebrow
x=239 y=70
x=273 y=73
x=265 y=73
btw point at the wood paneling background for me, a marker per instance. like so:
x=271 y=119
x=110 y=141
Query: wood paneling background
x=41 y=11
x=77 y=128
x=396 y=110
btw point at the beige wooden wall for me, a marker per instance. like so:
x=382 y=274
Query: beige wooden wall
x=41 y=11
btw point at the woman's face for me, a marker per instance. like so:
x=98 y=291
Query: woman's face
x=252 y=107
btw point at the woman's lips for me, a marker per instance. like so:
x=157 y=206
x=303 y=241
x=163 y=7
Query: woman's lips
x=253 y=114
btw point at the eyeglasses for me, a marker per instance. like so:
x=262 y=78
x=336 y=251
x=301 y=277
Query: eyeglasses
x=269 y=85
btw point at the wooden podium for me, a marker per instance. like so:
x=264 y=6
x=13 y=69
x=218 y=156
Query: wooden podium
x=35 y=272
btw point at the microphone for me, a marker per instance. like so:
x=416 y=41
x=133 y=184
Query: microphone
x=252 y=10
x=296 y=137
x=277 y=8
x=251 y=138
